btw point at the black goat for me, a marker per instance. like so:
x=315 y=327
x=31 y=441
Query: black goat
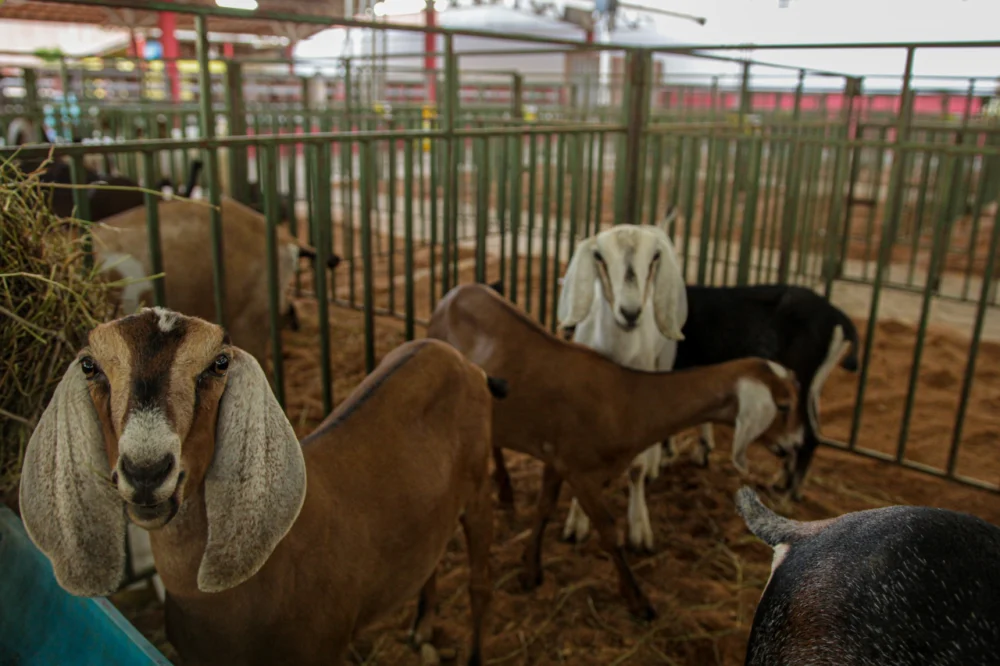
x=899 y=586
x=791 y=325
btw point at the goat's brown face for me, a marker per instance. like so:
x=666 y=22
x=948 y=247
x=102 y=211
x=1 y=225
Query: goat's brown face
x=155 y=379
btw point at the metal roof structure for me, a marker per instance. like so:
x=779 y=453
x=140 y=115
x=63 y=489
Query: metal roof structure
x=31 y=10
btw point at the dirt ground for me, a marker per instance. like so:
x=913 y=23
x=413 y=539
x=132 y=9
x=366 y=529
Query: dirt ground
x=707 y=573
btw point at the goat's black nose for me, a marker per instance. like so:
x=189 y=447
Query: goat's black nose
x=630 y=316
x=147 y=477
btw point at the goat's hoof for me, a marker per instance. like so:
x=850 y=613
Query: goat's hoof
x=529 y=580
x=641 y=548
x=573 y=536
x=644 y=613
x=429 y=656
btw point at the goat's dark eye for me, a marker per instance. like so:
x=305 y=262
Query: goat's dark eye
x=221 y=364
x=784 y=408
x=88 y=366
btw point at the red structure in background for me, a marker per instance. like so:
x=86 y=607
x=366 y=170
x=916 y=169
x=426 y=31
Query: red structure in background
x=430 y=47
x=171 y=51
x=227 y=50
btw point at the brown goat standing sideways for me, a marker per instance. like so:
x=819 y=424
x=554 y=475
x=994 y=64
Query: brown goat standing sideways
x=161 y=421
x=587 y=417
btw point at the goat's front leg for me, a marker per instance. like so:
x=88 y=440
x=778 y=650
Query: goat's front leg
x=589 y=495
x=552 y=482
x=706 y=444
x=640 y=531
x=577 y=525
x=505 y=489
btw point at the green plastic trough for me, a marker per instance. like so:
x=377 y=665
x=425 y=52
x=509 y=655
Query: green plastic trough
x=43 y=625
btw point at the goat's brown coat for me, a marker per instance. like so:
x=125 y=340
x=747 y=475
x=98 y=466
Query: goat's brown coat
x=390 y=473
x=583 y=415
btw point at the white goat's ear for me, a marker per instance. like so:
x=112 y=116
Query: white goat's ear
x=577 y=294
x=256 y=484
x=69 y=507
x=669 y=293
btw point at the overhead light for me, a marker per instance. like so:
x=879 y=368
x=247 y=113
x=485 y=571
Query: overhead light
x=248 y=5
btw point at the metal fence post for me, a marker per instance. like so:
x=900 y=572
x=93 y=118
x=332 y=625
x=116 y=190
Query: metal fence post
x=636 y=112
x=792 y=185
x=207 y=118
x=237 y=121
x=889 y=226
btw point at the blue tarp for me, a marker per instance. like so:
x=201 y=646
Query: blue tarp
x=43 y=625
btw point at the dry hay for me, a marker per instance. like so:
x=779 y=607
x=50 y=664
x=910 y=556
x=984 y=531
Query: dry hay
x=49 y=300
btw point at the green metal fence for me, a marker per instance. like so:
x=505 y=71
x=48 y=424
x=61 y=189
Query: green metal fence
x=419 y=197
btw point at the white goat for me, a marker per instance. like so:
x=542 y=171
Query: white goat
x=624 y=295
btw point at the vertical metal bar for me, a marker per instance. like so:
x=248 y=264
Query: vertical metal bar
x=532 y=189
x=888 y=234
x=366 y=257
x=840 y=166
x=560 y=200
x=691 y=188
x=482 y=206
x=270 y=199
x=749 y=214
x=654 y=188
x=705 y=230
x=408 y=234
x=153 y=232
x=207 y=118
x=933 y=271
x=237 y=120
x=977 y=211
x=392 y=145
x=543 y=285
x=516 y=213
x=639 y=64
x=792 y=187
x=977 y=331
x=599 y=203
x=451 y=165
x=320 y=157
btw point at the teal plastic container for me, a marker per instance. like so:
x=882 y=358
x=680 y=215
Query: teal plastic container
x=43 y=625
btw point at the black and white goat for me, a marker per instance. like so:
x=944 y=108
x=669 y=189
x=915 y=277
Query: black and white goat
x=789 y=324
x=897 y=586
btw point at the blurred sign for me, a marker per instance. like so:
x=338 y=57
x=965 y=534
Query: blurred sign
x=579 y=17
x=606 y=6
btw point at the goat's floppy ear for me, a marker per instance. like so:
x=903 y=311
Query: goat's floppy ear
x=256 y=484
x=577 y=295
x=669 y=292
x=69 y=507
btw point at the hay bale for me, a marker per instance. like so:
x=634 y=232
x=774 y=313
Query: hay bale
x=49 y=299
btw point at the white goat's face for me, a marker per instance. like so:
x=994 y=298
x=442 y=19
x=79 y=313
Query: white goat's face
x=155 y=379
x=627 y=259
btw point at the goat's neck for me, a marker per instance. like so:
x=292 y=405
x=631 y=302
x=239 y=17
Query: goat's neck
x=653 y=406
x=178 y=547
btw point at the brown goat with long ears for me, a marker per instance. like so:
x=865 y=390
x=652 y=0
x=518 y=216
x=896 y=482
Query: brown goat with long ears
x=587 y=417
x=162 y=422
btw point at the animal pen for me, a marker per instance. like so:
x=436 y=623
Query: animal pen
x=884 y=201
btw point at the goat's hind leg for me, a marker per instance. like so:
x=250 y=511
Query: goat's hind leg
x=477 y=522
x=706 y=444
x=501 y=477
x=604 y=522
x=552 y=482
x=423 y=623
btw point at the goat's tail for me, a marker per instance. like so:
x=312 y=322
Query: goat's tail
x=765 y=524
x=193 y=177
x=498 y=387
x=850 y=360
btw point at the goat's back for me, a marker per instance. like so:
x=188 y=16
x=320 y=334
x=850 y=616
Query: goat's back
x=400 y=458
x=785 y=323
x=900 y=586
x=186 y=249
